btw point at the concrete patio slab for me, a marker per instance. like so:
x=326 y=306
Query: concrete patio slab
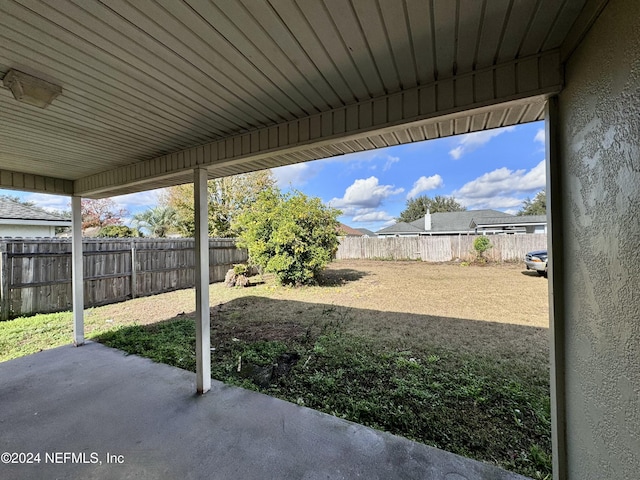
x=96 y=413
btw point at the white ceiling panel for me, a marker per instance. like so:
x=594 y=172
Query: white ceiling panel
x=267 y=80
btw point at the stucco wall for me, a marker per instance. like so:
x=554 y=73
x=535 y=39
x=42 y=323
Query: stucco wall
x=26 y=231
x=599 y=134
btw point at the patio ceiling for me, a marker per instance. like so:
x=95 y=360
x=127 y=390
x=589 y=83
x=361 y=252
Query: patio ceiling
x=151 y=90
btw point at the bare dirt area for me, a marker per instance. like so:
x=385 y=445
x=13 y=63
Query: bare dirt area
x=495 y=309
x=449 y=355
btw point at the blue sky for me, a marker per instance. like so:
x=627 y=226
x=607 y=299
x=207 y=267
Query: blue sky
x=490 y=169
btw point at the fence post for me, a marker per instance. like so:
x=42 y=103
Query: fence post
x=5 y=279
x=134 y=269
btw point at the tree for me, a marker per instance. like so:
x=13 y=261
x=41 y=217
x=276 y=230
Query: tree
x=100 y=213
x=293 y=236
x=537 y=206
x=481 y=244
x=157 y=221
x=118 y=231
x=66 y=214
x=417 y=207
x=228 y=197
x=16 y=199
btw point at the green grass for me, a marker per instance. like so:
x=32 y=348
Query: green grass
x=474 y=406
x=24 y=336
x=481 y=406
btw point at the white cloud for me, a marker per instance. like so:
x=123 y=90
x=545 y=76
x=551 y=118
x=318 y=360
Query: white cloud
x=359 y=160
x=298 y=174
x=129 y=202
x=49 y=202
x=373 y=217
x=457 y=152
x=425 y=183
x=148 y=199
x=365 y=193
x=390 y=161
x=295 y=175
x=500 y=188
x=540 y=136
x=499 y=202
x=471 y=141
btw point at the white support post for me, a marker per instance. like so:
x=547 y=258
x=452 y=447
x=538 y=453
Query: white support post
x=77 y=275
x=203 y=326
x=134 y=269
x=555 y=244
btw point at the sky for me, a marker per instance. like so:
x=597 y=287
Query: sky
x=495 y=169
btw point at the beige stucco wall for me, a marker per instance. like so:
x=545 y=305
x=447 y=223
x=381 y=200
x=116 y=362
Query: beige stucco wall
x=599 y=154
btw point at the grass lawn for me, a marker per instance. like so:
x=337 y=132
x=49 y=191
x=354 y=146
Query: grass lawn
x=455 y=357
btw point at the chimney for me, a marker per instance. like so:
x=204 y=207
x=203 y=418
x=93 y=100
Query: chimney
x=427 y=221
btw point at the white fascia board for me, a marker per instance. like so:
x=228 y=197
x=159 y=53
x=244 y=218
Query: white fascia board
x=48 y=223
x=505 y=225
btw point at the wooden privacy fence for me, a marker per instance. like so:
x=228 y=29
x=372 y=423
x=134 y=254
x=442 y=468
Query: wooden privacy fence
x=439 y=248
x=35 y=274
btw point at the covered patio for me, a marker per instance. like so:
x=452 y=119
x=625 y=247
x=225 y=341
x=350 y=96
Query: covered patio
x=96 y=413
x=102 y=98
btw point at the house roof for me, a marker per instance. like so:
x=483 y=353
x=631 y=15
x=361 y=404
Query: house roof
x=511 y=220
x=366 y=231
x=12 y=210
x=348 y=231
x=400 y=227
x=457 y=221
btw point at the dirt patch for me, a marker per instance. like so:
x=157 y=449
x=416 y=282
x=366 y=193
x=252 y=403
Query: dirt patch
x=257 y=331
x=498 y=309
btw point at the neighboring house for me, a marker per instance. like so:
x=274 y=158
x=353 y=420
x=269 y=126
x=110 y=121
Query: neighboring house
x=19 y=220
x=401 y=229
x=515 y=224
x=366 y=232
x=468 y=222
x=347 y=231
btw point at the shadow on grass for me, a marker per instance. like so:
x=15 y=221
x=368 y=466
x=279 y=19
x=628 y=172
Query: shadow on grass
x=339 y=277
x=479 y=389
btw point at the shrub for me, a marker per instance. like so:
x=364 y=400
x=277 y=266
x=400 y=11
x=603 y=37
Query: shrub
x=240 y=268
x=118 y=231
x=291 y=235
x=481 y=244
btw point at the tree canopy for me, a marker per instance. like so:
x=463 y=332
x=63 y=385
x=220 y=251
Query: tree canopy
x=293 y=236
x=417 y=207
x=227 y=198
x=537 y=206
x=118 y=231
x=157 y=221
x=101 y=213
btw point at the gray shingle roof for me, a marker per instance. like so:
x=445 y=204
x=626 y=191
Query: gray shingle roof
x=366 y=231
x=10 y=209
x=400 y=227
x=454 y=222
x=457 y=221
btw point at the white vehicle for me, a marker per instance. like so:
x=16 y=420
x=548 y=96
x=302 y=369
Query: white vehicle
x=537 y=261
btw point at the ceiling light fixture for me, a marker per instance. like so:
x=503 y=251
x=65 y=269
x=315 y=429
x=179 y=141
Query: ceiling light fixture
x=29 y=89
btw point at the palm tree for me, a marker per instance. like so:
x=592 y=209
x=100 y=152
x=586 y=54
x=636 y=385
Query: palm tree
x=157 y=221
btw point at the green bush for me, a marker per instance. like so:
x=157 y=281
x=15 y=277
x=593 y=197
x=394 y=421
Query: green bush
x=291 y=235
x=118 y=231
x=240 y=268
x=481 y=244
